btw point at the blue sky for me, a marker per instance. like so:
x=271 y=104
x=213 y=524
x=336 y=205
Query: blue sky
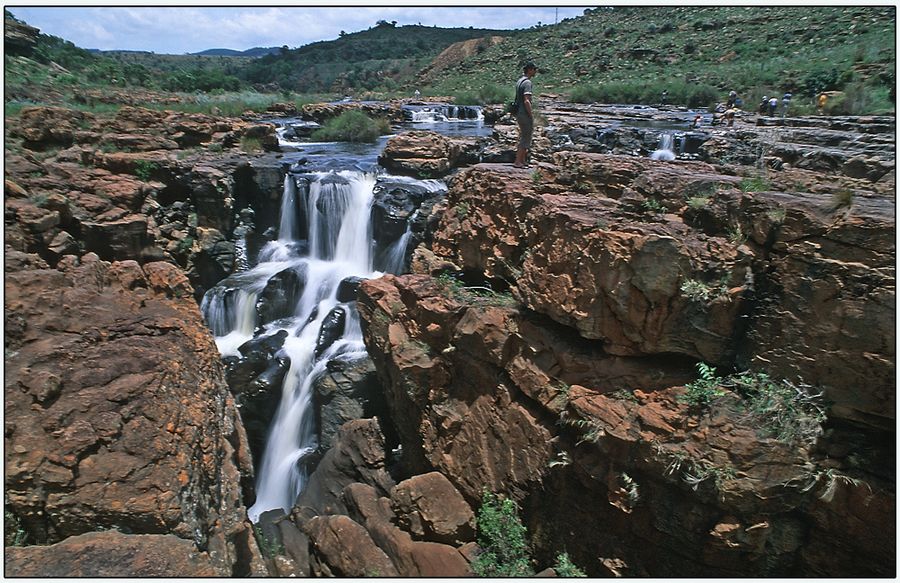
x=188 y=29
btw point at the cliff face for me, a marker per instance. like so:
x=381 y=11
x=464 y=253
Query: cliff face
x=125 y=454
x=569 y=390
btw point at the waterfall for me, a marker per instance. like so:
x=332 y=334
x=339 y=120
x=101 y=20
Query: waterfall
x=287 y=229
x=337 y=207
x=395 y=255
x=665 y=149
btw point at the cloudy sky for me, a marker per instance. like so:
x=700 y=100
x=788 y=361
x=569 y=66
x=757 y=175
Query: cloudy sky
x=188 y=29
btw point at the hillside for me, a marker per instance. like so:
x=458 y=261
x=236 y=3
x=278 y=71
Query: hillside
x=609 y=55
x=383 y=57
x=633 y=53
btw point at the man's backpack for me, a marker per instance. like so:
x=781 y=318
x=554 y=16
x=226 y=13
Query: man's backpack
x=513 y=106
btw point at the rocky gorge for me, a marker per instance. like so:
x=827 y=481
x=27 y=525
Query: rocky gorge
x=542 y=346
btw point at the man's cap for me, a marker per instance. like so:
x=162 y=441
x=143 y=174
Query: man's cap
x=529 y=65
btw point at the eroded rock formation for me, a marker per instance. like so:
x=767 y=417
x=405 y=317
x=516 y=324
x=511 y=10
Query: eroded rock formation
x=568 y=392
x=117 y=417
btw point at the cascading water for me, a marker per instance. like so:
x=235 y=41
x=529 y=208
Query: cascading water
x=665 y=149
x=337 y=207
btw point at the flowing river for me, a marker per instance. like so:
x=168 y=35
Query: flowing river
x=325 y=246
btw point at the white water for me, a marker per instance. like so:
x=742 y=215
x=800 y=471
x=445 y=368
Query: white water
x=442 y=113
x=665 y=149
x=337 y=208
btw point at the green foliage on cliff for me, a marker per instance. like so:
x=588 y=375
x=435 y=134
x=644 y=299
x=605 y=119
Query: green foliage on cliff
x=502 y=538
x=352 y=126
x=564 y=567
x=704 y=390
x=789 y=412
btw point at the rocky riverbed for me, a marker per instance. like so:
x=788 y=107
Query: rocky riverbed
x=551 y=369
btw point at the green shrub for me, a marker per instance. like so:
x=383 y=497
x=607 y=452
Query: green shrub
x=754 y=184
x=790 y=413
x=566 y=568
x=679 y=93
x=143 y=169
x=352 y=126
x=704 y=390
x=502 y=538
x=250 y=145
x=860 y=99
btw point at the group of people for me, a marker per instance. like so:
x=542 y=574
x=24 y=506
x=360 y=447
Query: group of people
x=769 y=105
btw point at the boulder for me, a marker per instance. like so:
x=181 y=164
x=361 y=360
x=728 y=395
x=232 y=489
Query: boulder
x=357 y=456
x=411 y=558
x=347 y=391
x=432 y=509
x=280 y=296
x=348 y=289
x=332 y=329
x=113 y=554
x=118 y=417
x=421 y=153
x=343 y=548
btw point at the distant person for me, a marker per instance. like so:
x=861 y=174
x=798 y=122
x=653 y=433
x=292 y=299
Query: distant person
x=417 y=94
x=664 y=98
x=729 y=116
x=773 y=105
x=698 y=119
x=820 y=104
x=732 y=100
x=785 y=103
x=524 y=113
x=764 y=105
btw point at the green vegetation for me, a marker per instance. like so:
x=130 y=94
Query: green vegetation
x=473 y=294
x=610 y=54
x=788 y=412
x=754 y=184
x=841 y=198
x=699 y=291
x=691 y=95
x=652 y=206
x=269 y=548
x=484 y=95
x=14 y=534
x=381 y=58
x=706 y=389
x=696 y=471
x=250 y=145
x=564 y=567
x=352 y=126
x=633 y=53
x=144 y=169
x=502 y=538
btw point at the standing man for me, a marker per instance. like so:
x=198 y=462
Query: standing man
x=524 y=114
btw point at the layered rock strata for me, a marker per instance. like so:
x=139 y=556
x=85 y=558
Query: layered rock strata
x=568 y=391
x=117 y=418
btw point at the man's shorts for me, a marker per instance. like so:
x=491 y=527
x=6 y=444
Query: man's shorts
x=526 y=130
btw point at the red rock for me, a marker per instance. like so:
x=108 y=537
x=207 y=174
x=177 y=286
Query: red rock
x=343 y=548
x=431 y=509
x=104 y=369
x=112 y=554
x=420 y=152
